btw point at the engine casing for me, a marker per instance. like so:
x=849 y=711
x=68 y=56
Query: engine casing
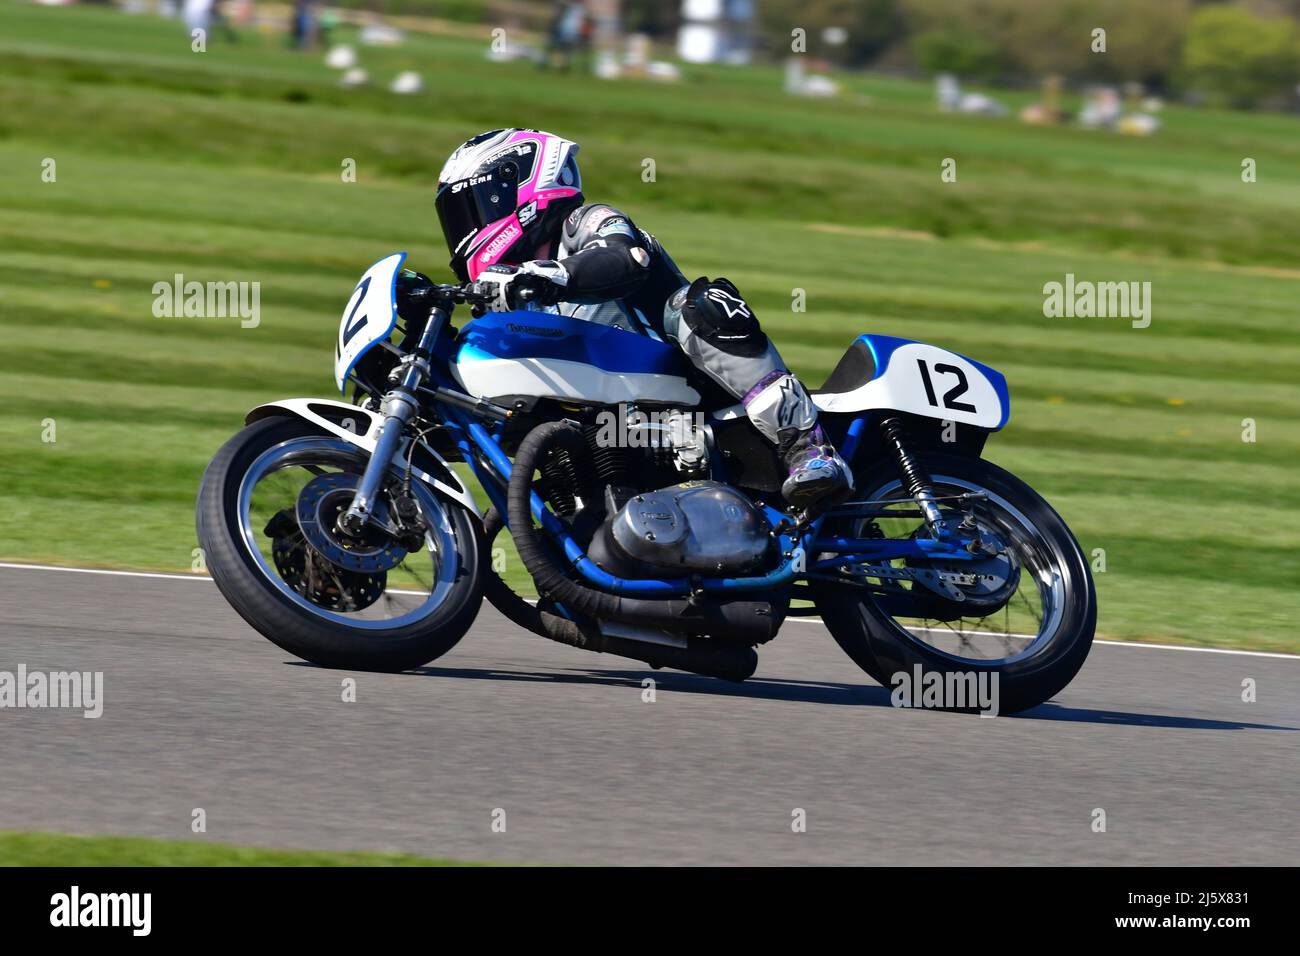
x=697 y=526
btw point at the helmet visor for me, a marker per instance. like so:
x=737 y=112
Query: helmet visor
x=467 y=206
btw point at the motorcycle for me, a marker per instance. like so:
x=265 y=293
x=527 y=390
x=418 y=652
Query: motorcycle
x=649 y=519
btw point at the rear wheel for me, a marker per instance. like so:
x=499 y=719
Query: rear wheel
x=1025 y=612
x=266 y=512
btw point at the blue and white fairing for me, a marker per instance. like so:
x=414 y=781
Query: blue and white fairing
x=547 y=355
x=902 y=375
x=370 y=316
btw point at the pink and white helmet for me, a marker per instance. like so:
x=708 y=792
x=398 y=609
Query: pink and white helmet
x=503 y=195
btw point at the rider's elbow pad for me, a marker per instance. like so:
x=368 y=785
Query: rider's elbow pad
x=610 y=271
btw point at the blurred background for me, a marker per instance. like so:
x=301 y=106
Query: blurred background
x=787 y=145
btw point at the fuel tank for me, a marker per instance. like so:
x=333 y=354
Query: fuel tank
x=546 y=355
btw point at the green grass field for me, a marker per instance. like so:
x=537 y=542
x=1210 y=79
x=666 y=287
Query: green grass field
x=58 y=849
x=225 y=166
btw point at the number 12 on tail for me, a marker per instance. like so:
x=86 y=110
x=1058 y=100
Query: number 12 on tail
x=949 y=397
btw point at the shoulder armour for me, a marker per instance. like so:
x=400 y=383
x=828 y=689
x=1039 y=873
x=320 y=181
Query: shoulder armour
x=596 y=221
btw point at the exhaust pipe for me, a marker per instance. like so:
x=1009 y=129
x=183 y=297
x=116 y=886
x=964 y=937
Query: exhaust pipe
x=724 y=660
x=752 y=621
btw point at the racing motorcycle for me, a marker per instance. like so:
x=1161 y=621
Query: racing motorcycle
x=649 y=520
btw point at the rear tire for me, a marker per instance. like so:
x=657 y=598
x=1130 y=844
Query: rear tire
x=288 y=625
x=883 y=648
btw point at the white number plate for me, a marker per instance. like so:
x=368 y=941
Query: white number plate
x=370 y=316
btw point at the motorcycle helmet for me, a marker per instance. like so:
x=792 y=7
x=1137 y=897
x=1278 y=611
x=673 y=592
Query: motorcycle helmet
x=504 y=194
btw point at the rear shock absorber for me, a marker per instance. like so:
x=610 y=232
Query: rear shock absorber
x=915 y=478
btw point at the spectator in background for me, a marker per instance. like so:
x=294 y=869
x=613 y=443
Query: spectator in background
x=196 y=14
x=207 y=15
x=569 y=30
x=221 y=21
x=329 y=20
x=302 y=29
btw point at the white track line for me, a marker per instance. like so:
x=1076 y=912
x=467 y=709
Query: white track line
x=1097 y=640
x=7 y=565
x=1199 y=650
x=139 y=574
x=124 y=574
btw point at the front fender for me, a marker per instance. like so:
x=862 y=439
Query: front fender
x=360 y=427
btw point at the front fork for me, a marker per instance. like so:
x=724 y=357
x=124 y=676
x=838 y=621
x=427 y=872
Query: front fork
x=399 y=407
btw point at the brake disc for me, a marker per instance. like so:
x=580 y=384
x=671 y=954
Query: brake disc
x=320 y=503
x=333 y=570
x=333 y=588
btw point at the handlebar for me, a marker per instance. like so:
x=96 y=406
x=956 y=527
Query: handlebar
x=446 y=296
x=452 y=293
x=474 y=293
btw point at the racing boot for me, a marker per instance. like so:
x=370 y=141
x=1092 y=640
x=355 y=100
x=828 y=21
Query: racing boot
x=817 y=473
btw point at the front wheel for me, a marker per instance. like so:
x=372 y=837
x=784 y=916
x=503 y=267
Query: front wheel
x=267 y=511
x=1026 y=613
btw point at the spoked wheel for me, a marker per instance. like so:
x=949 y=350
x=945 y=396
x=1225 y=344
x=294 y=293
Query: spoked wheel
x=1025 y=610
x=390 y=598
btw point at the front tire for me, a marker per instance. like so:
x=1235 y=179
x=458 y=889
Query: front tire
x=1028 y=674
x=313 y=633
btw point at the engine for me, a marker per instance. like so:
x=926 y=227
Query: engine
x=689 y=525
x=630 y=450
x=670 y=438
x=702 y=527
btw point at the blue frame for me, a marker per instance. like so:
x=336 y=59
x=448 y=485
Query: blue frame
x=471 y=436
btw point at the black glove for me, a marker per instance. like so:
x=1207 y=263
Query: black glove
x=513 y=287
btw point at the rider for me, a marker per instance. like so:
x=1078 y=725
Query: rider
x=512 y=211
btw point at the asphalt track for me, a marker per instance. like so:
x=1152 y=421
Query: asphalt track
x=200 y=711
